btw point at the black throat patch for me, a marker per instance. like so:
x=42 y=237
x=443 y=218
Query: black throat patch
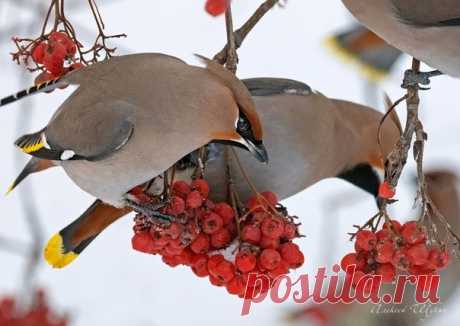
x=364 y=177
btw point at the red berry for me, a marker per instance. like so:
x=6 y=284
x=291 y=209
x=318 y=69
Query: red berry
x=236 y=286
x=59 y=37
x=216 y=281
x=212 y=223
x=413 y=233
x=225 y=211
x=38 y=53
x=54 y=65
x=269 y=259
x=201 y=244
x=269 y=243
x=366 y=240
x=351 y=259
x=216 y=7
x=383 y=235
x=174 y=230
x=140 y=195
x=387 y=271
x=245 y=261
x=438 y=259
x=418 y=254
x=272 y=227
x=158 y=238
x=256 y=204
x=173 y=248
x=251 y=234
x=143 y=242
x=199 y=265
x=181 y=189
x=386 y=190
x=291 y=253
x=71 y=48
x=290 y=231
x=392 y=224
x=225 y=271
x=172 y=261
x=176 y=206
x=194 y=199
x=202 y=187
x=400 y=260
x=221 y=238
x=385 y=251
x=271 y=197
x=281 y=269
x=213 y=261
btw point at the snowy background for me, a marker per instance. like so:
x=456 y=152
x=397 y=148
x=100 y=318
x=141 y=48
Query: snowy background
x=111 y=284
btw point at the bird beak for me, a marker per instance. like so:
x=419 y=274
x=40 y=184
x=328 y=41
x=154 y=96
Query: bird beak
x=259 y=151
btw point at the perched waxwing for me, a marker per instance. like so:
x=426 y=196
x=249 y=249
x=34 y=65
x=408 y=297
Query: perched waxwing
x=310 y=138
x=371 y=54
x=427 y=30
x=134 y=116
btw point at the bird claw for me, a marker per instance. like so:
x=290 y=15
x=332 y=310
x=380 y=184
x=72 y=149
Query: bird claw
x=415 y=79
x=151 y=212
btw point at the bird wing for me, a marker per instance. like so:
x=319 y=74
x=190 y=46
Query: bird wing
x=89 y=134
x=428 y=13
x=274 y=86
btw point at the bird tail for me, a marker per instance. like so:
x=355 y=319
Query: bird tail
x=66 y=245
x=358 y=45
x=43 y=87
x=33 y=166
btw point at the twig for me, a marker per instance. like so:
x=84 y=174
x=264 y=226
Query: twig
x=241 y=34
x=398 y=157
x=232 y=56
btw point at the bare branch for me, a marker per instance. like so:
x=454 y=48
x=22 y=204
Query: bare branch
x=241 y=34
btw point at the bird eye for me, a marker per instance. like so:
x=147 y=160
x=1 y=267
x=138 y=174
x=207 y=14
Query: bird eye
x=243 y=124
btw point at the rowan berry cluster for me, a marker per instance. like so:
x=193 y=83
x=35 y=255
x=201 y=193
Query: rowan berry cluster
x=40 y=314
x=215 y=243
x=52 y=54
x=395 y=249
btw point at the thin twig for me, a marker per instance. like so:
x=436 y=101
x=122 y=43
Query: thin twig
x=241 y=34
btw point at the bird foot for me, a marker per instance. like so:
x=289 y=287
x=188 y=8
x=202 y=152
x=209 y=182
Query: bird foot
x=415 y=79
x=151 y=211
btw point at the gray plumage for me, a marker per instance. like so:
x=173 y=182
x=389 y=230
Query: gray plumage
x=132 y=117
x=428 y=30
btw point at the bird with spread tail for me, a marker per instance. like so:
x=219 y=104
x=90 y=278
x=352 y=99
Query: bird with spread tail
x=309 y=137
x=133 y=117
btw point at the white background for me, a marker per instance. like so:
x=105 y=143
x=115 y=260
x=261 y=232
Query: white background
x=113 y=285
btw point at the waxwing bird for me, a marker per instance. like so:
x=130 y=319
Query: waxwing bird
x=310 y=137
x=134 y=116
x=371 y=54
x=427 y=30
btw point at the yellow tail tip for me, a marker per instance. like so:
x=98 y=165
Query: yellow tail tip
x=55 y=254
x=370 y=72
x=10 y=189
